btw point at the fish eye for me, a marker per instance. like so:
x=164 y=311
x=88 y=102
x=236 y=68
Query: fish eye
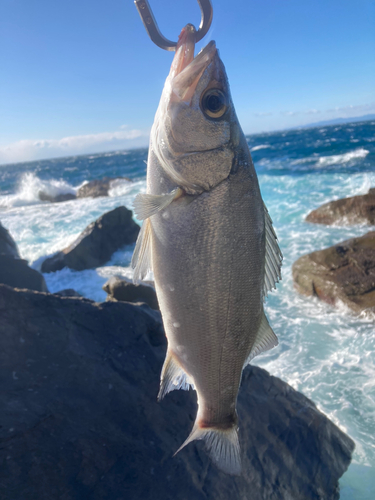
x=214 y=103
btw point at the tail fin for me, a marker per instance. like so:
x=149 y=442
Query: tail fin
x=222 y=446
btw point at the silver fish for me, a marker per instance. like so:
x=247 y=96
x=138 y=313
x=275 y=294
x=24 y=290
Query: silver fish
x=209 y=240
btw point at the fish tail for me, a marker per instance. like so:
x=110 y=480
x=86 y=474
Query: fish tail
x=222 y=446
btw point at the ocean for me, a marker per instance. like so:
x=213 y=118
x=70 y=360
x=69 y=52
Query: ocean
x=328 y=354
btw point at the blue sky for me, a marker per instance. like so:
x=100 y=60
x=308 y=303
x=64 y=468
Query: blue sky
x=82 y=76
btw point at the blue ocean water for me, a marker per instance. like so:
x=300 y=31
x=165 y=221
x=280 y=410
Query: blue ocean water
x=326 y=353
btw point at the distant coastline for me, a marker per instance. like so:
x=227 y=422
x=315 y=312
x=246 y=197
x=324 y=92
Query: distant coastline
x=338 y=121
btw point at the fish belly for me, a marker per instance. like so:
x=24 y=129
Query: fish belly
x=208 y=260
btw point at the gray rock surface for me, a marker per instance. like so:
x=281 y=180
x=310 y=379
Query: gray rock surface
x=79 y=417
x=17 y=273
x=124 y=290
x=96 y=244
x=7 y=244
x=346 y=211
x=99 y=187
x=344 y=272
x=68 y=292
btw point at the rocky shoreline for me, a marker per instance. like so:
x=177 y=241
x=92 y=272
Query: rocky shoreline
x=345 y=272
x=78 y=386
x=80 y=419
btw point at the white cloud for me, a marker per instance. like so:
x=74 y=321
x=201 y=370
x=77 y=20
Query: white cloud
x=28 y=150
x=359 y=108
x=290 y=113
x=266 y=113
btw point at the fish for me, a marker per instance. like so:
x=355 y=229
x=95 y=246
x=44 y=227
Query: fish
x=209 y=241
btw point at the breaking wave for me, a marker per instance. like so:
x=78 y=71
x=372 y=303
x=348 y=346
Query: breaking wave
x=344 y=158
x=29 y=188
x=261 y=146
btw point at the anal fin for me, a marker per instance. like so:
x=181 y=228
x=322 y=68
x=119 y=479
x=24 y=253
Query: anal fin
x=141 y=260
x=173 y=377
x=265 y=339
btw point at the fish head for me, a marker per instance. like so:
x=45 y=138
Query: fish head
x=196 y=127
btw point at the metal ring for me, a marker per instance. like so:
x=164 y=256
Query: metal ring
x=153 y=31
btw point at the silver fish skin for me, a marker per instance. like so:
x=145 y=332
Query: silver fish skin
x=209 y=241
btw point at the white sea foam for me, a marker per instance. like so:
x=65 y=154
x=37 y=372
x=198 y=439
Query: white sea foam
x=262 y=146
x=327 y=353
x=343 y=158
x=325 y=161
x=29 y=188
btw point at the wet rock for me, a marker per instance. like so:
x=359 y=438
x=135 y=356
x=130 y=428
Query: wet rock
x=96 y=244
x=347 y=211
x=342 y=273
x=56 y=199
x=7 y=244
x=68 y=292
x=124 y=290
x=17 y=273
x=99 y=187
x=79 y=416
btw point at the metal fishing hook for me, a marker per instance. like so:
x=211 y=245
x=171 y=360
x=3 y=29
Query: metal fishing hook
x=153 y=31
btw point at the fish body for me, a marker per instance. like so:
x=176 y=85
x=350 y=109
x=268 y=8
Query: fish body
x=209 y=241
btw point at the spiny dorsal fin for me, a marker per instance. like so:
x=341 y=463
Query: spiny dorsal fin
x=273 y=258
x=264 y=340
x=173 y=377
x=141 y=260
x=146 y=205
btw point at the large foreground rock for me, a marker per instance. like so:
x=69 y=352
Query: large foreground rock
x=347 y=211
x=7 y=244
x=344 y=272
x=79 y=417
x=96 y=244
x=124 y=290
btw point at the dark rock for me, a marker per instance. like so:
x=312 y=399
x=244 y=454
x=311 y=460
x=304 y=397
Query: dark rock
x=99 y=187
x=126 y=291
x=96 y=243
x=7 y=244
x=16 y=273
x=56 y=199
x=68 y=292
x=347 y=211
x=79 y=417
x=344 y=272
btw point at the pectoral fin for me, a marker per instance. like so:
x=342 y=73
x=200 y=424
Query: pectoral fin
x=274 y=257
x=264 y=341
x=146 y=205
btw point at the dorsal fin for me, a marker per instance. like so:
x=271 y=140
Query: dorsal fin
x=273 y=258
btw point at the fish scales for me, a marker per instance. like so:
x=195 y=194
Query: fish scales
x=218 y=319
x=204 y=238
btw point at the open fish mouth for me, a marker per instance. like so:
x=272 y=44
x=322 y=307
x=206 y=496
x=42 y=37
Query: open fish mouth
x=186 y=69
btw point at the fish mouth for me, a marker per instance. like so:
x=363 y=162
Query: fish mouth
x=186 y=69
